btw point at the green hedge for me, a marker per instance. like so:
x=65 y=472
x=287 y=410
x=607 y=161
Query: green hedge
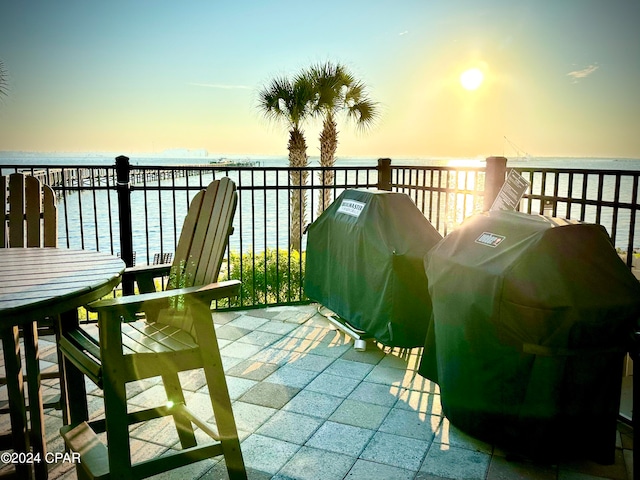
x=270 y=277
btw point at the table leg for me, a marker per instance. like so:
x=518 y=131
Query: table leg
x=32 y=360
x=15 y=391
x=73 y=392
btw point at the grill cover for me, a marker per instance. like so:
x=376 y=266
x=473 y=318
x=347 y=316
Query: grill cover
x=364 y=261
x=531 y=317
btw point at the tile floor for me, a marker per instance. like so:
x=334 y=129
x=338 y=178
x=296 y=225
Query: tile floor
x=309 y=406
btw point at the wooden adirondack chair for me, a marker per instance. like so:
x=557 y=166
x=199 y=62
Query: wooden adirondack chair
x=29 y=213
x=177 y=334
x=29 y=219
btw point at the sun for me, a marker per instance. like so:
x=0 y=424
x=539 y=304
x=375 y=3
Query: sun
x=471 y=79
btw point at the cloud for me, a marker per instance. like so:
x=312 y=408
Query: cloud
x=221 y=86
x=403 y=33
x=585 y=72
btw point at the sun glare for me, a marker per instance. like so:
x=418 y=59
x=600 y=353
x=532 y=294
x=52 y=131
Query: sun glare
x=471 y=79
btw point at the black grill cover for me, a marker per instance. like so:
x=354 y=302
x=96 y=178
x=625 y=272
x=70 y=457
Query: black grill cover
x=531 y=319
x=364 y=262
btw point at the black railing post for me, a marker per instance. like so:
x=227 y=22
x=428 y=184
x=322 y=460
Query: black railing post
x=495 y=173
x=384 y=174
x=124 y=217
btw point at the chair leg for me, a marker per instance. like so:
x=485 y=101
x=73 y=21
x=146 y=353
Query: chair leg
x=175 y=395
x=117 y=428
x=221 y=403
x=15 y=390
x=36 y=410
x=73 y=392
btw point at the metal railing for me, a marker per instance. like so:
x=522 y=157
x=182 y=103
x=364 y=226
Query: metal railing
x=606 y=197
x=137 y=211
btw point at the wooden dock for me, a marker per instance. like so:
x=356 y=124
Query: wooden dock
x=92 y=177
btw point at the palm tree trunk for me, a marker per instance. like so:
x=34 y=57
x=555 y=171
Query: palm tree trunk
x=297 y=158
x=328 y=147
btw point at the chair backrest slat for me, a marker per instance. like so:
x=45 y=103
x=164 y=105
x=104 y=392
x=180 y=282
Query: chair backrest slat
x=29 y=213
x=49 y=217
x=204 y=235
x=4 y=231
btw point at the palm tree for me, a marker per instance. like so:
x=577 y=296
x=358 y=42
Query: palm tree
x=336 y=90
x=288 y=101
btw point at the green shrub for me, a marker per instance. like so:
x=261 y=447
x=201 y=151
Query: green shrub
x=268 y=277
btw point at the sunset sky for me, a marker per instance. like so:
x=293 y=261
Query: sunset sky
x=561 y=77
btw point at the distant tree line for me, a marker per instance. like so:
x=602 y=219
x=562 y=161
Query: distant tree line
x=321 y=91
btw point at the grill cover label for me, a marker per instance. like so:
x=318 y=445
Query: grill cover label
x=351 y=207
x=490 y=239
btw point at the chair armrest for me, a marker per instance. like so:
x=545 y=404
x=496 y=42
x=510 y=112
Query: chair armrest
x=144 y=275
x=159 y=270
x=158 y=300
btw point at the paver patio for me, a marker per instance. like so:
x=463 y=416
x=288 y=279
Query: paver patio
x=309 y=406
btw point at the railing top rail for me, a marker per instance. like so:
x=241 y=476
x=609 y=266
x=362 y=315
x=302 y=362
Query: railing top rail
x=586 y=171
x=187 y=167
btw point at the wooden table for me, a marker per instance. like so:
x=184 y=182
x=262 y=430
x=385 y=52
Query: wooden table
x=36 y=283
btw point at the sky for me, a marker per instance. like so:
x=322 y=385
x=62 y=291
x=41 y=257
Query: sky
x=560 y=78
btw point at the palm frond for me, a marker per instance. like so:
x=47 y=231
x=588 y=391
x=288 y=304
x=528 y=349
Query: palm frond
x=4 y=83
x=364 y=113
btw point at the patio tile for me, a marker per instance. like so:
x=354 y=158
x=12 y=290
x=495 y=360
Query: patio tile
x=274 y=355
x=411 y=424
x=222 y=318
x=390 y=376
x=310 y=332
x=455 y=463
x=350 y=369
x=160 y=431
x=229 y=332
x=238 y=386
x=313 y=464
x=229 y=362
x=332 y=385
x=309 y=361
x=267 y=454
x=372 y=470
x=250 y=417
x=403 y=359
x=360 y=414
x=291 y=376
x=151 y=397
x=195 y=470
x=248 y=322
x=397 y=451
x=277 y=326
x=334 y=350
x=373 y=354
x=502 y=469
x=290 y=427
x=448 y=434
x=269 y=394
x=295 y=344
x=313 y=404
x=252 y=370
x=341 y=438
x=615 y=471
x=261 y=313
x=219 y=472
x=418 y=401
x=375 y=393
x=192 y=380
x=240 y=349
x=295 y=315
x=223 y=342
x=261 y=338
